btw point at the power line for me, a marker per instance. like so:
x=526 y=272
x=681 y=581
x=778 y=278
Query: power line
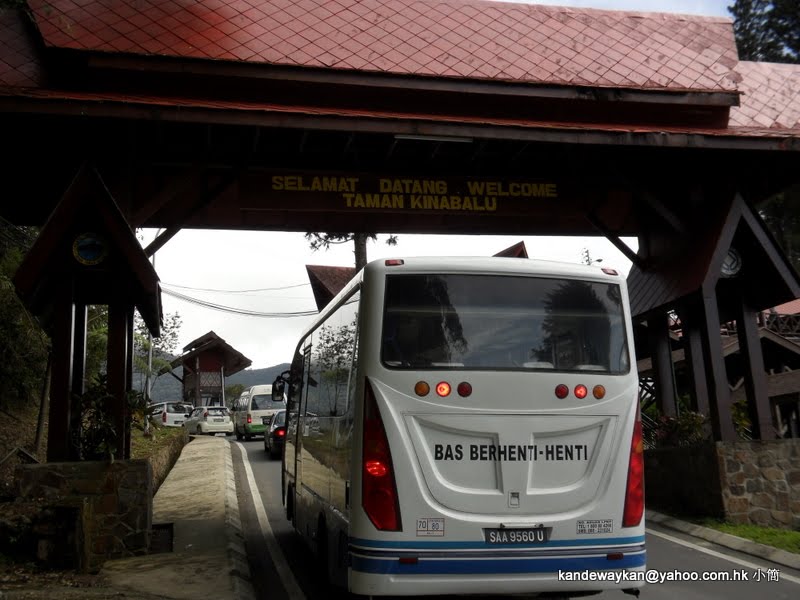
x=238 y=311
x=196 y=289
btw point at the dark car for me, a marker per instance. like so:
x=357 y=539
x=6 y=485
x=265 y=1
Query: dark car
x=275 y=433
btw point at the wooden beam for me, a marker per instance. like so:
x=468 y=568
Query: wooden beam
x=691 y=322
x=58 y=443
x=78 y=379
x=719 y=394
x=614 y=239
x=117 y=371
x=658 y=337
x=662 y=211
x=175 y=186
x=755 y=379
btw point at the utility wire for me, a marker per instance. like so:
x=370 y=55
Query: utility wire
x=196 y=289
x=238 y=311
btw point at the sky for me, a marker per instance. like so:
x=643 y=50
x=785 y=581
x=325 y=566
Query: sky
x=264 y=272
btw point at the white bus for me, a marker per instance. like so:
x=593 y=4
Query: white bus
x=469 y=425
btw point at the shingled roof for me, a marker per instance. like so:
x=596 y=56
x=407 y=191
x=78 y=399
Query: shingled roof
x=442 y=38
x=547 y=49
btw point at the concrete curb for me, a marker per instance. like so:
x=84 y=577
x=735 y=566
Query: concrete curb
x=782 y=557
x=237 y=554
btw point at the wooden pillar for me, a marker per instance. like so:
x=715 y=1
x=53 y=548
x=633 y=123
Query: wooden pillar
x=718 y=391
x=661 y=353
x=755 y=379
x=117 y=371
x=129 y=378
x=78 y=380
x=691 y=325
x=58 y=443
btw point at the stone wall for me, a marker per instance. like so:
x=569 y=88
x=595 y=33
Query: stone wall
x=754 y=482
x=760 y=482
x=113 y=503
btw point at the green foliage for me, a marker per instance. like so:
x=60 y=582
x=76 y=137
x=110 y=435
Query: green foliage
x=162 y=348
x=741 y=419
x=317 y=241
x=24 y=346
x=771 y=536
x=99 y=439
x=767 y=30
x=98 y=436
x=232 y=392
x=687 y=429
x=781 y=215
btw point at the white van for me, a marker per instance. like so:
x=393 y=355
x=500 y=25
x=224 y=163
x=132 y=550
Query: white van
x=250 y=409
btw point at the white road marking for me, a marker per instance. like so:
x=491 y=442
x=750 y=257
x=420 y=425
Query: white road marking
x=738 y=561
x=279 y=560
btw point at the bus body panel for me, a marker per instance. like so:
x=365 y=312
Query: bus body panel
x=479 y=478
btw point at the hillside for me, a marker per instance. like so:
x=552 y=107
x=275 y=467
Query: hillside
x=167 y=387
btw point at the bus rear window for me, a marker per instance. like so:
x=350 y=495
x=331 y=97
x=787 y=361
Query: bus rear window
x=503 y=322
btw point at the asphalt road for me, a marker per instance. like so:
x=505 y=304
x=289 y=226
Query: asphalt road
x=283 y=568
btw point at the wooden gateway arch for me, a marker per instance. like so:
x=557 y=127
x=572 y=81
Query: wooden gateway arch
x=428 y=116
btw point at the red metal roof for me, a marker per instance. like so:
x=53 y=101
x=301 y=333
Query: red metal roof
x=770 y=103
x=770 y=96
x=441 y=38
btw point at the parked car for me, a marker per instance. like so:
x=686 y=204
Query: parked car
x=169 y=414
x=209 y=420
x=275 y=433
x=250 y=408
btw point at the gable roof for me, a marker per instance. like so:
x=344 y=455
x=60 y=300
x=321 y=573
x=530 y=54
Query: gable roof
x=87 y=205
x=234 y=360
x=326 y=282
x=442 y=38
x=697 y=269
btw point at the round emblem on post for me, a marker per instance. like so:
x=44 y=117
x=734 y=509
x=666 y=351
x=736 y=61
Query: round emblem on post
x=732 y=264
x=89 y=249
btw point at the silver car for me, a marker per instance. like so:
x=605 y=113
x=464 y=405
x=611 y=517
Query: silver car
x=209 y=420
x=170 y=414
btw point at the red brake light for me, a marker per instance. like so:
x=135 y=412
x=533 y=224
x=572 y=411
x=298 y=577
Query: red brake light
x=581 y=391
x=378 y=488
x=394 y=262
x=634 y=490
x=280 y=432
x=561 y=391
x=443 y=388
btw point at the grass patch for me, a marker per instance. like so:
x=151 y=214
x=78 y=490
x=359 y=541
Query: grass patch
x=770 y=536
x=144 y=447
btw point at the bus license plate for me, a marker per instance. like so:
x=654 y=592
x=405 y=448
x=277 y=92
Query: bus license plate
x=515 y=535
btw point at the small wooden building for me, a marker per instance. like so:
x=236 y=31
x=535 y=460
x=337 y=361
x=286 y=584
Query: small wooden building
x=206 y=362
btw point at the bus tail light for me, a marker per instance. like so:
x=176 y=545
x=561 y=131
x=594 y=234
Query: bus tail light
x=634 y=490
x=378 y=487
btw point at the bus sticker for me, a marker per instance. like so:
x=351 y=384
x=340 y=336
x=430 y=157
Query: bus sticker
x=430 y=527
x=593 y=526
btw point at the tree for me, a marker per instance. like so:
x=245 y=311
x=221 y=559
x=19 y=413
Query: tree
x=152 y=355
x=767 y=30
x=770 y=31
x=326 y=240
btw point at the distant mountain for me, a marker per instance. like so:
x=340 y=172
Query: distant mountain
x=167 y=388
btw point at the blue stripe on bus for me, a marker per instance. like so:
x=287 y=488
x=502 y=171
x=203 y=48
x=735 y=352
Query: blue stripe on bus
x=494 y=566
x=429 y=545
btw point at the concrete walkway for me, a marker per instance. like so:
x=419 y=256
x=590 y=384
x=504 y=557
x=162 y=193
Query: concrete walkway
x=208 y=559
